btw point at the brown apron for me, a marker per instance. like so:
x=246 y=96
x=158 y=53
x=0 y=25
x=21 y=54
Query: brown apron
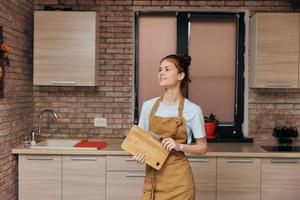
x=174 y=181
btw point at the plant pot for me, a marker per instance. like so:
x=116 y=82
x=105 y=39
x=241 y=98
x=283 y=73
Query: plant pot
x=210 y=129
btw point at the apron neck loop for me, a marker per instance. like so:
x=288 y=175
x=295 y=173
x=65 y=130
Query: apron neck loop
x=180 y=107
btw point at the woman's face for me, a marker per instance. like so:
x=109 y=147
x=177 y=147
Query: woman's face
x=168 y=75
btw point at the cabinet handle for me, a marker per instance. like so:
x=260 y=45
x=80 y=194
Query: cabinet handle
x=64 y=82
x=135 y=175
x=278 y=85
x=83 y=158
x=130 y=159
x=39 y=158
x=198 y=159
x=239 y=161
x=284 y=161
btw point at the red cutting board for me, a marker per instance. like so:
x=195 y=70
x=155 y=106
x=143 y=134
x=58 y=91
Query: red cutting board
x=99 y=144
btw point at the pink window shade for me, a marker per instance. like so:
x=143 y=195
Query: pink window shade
x=157 y=39
x=212 y=46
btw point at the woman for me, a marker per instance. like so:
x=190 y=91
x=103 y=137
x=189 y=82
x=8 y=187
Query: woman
x=176 y=120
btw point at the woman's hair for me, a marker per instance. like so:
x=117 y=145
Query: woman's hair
x=182 y=63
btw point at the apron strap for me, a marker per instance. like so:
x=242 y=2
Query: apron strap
x=155 y=107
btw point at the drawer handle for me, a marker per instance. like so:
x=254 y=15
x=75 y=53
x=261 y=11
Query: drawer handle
x=130 y=159
x=135 y=175
x=64 y=82
x=239 y=161
x=198 y=159
x=83 y=158
x=284 y=161
x=278 y=85
x=39 y=158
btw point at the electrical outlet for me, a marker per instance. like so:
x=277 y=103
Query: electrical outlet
x=100 y=122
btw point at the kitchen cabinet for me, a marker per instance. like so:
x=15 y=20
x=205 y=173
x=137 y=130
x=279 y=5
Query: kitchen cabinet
x=238 y=178
x=83 y=177
x=124 y=178
x=274 y=50
x=61 y=177
x=204 y=172
x=40 y=177
x=280 y=178
x=64 y=48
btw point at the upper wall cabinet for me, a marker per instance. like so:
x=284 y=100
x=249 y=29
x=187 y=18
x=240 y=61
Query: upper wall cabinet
x=64 y=48
x=274 y=50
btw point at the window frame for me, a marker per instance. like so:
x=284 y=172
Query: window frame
x=234 y=130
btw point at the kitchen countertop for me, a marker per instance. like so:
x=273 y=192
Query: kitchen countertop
x=214 y=150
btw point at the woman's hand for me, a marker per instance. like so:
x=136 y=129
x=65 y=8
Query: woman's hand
x=139 y=158
x=170 y=144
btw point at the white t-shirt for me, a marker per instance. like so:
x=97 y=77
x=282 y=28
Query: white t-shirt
x=192 y=115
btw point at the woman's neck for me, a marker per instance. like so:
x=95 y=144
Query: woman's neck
x=172 y=97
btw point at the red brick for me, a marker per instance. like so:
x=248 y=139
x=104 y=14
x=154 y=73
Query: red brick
x=52 y=2
x=234 y=3
x=86 y=2
x=216 y=3
x=67 y=2
x=123 y=2
x=141 y=3
x=160 y=3
x=179 y=3
x=104 y=2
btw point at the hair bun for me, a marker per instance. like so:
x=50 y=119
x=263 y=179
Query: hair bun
x=186 y=59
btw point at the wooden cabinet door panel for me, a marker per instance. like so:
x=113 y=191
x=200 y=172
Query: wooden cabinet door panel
x=274 y=50
x=123 y=163
x=124 y=185
x=64 y=48
x=83 y=177
x=204 y=171
x=39 y=177
x=238 y=178
x=280 y=179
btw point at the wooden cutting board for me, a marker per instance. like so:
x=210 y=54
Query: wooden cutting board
x=139 y=141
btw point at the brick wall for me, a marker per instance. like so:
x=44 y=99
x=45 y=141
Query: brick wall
x=16 y=108
x=77 y=106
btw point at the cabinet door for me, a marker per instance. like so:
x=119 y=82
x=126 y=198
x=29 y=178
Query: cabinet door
x=204 y=171
x=126 y=185
x=39 y=177
x=274 y=50
x=83 y=177
x=124 y=178
x=280 y=179
x=238 y=178
x=64 y=48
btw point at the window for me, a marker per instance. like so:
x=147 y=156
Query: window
x=215 y=41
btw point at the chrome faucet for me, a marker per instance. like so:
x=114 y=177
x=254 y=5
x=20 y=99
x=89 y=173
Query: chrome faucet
x=35 y=133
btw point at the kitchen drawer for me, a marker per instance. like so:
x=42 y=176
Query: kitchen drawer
x=124 y=185
x=123 y=163
x=204 y=171
x=280 y=178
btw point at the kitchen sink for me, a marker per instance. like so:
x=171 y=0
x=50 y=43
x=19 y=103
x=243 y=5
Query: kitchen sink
x=282 y=148
x=59 y=144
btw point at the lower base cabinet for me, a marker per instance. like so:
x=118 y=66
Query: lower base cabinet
x=280 y=179
x=124 y=178
x=238 y=178
x=49 y=177
x=204 y=172
x=83 y=177
x=60 y=177
x=124 y=185
x=40 y=177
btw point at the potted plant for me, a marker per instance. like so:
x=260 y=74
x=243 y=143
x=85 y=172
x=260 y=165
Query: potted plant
x=211 y=123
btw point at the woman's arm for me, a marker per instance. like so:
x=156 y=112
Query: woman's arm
x=199 y=148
